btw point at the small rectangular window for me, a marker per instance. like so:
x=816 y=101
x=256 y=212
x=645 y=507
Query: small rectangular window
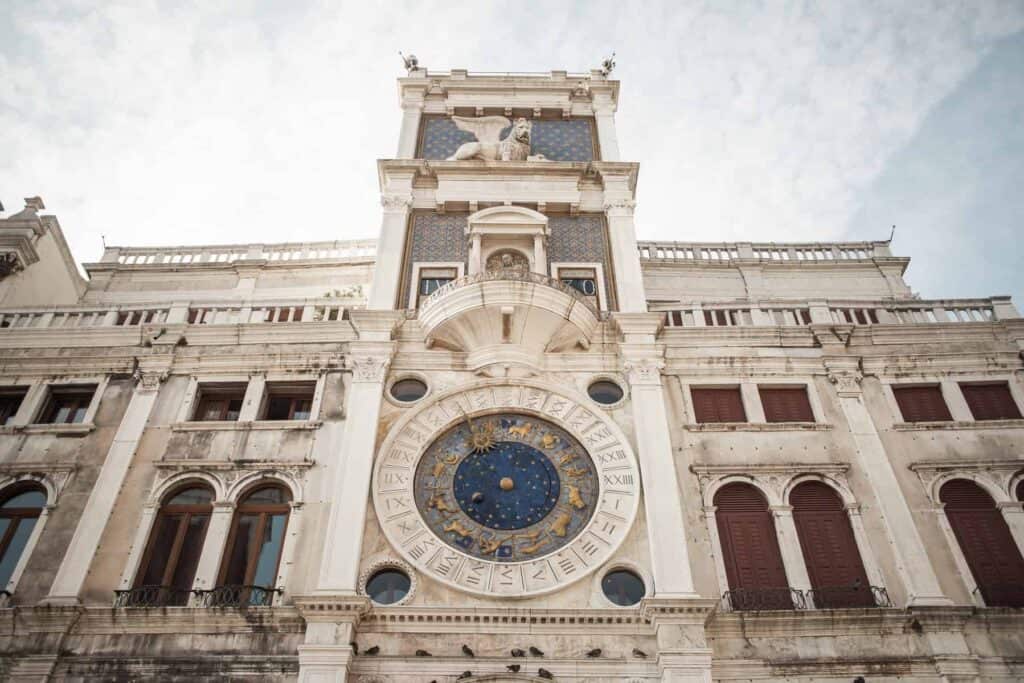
x=990 y=401
x=219 y=402
x=718 y=404
x=433 y=279
x=292 y=401
x=583 y=280
x=10 y=402
x=67 y=404
x=922 y=404
x=786 y=404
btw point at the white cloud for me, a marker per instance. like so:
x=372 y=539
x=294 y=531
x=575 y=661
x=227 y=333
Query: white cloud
x=154 y=124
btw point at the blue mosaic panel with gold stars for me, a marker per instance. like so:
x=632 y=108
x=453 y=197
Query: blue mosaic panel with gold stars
x=506 y=487
x=557 y=140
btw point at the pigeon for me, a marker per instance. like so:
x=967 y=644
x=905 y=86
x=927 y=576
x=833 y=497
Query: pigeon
x=464 y=674
x=514 y=668
x=466 y=650
x=516 y=652
x=535 y=652
x=859 y=679
x=596 y=652
x=371 y=651
x=544 y=673
x=423 y=653
x=355 y=647
x=637 y=652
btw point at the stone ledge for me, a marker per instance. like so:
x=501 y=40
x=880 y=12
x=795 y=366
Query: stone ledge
x=80 y=429
x=758 y=427
x=256 y=426
x=948 y=425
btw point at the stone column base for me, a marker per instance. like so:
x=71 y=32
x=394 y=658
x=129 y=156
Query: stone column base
x=331 y=622
x=683 y=652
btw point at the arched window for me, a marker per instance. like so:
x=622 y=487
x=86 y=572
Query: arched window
x=750 y=550
x=175 y=543
x=19 y=512
x=986 y=542
x=249 y=573
x=829 y=547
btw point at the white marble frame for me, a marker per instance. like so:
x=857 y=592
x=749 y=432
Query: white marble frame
x=317 y=379
x=414 y=281
x=226 y=497
x=785 y=528
x=602 y=293
x=195 y=383
x=52 y=491
x=39 y=393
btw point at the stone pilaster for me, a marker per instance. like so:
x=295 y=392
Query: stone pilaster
x=629 y=281
x=390 y=248
x=683 y=652
x=326 y=654
x=75 y=565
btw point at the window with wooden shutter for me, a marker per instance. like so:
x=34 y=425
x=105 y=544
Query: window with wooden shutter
x=990 y=401
x=986 y=542
x=829 y=548
x=786 y=404
x=922 y=403
x=750 y=550
x=717 y=404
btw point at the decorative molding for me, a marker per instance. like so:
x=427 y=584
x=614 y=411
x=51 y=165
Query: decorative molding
x=946 y=425
x=53 y=476
x=773 y=479
x=644 y=371
x=396 y=202
x=386 y=563
x=758 y=427
x=149 y=380
x=619 y=207
x=997 y=477
x=369 y=368
x=846 y=379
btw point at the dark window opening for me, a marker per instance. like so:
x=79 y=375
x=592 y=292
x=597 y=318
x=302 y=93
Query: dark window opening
x=605 y=392
x=219 y=403
x=255 y=544
x=718 y=404
x=67 y=405
x=10 y=402
x=289 y=401
x=990 y=401
x=623 y=587
x=388 y=586
x=786 y=404
x=18 y=516
x=922 y=404
x=408 y=390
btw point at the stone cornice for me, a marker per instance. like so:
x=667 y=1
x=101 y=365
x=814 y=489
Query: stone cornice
x=506 y=620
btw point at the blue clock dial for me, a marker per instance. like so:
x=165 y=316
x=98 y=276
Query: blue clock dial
x=506 y=487
x=511 y=486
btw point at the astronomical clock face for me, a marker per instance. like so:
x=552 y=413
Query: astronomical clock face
x=506 y=487
x=506 y=490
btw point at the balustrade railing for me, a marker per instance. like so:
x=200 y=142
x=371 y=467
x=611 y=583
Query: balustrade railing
x=286 y=251
x=825 y=597
x=221 y=596
x=795 y=252
x=510 y=276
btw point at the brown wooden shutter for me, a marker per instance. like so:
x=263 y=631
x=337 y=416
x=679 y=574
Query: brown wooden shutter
x=829 y=547
x=992 y=401
x=922 y=404
x=750 y=549
x=786 y=404
x=986 y=542
x=718 y=405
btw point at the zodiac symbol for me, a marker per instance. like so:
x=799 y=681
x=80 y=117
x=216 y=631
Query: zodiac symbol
x=575 y=499
x=567 y=457
x=558 y=528
x=456 y=526
x=522 y=431
x=549 y=440
x=438 y=503
x=575 y=472
x=438 y=469
x=488 y=547
x=451 y=458
x=531 y=549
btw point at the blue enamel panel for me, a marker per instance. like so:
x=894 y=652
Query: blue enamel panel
x=561 y=140
x=530 y=478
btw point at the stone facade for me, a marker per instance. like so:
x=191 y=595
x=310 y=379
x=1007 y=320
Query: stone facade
x=229 y=445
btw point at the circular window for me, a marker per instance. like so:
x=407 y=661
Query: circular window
x=408 y=390
x=605 y=392
x=622 y=587
x=388 y=586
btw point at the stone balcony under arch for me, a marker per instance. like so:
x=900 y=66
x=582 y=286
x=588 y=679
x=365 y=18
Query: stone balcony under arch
x=507 y=317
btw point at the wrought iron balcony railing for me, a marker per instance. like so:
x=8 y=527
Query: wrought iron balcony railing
x=237 y=596
x=221 y=596
x=152 y=596
x=825 y=597
x=507 y=275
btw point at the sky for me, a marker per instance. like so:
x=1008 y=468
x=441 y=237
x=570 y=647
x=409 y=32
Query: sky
x=155 y=123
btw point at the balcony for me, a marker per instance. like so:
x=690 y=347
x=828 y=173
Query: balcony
x=221 y=596
x=824 y=597
x=507 y=316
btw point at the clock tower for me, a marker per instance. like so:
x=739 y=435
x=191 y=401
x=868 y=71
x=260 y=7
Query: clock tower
x=506 y=412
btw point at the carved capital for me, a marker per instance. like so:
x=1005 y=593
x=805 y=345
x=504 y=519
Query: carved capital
x=149 y=380
x=846 y=380
x=644 y=371
x=369 y=368
x=619 y=207
x=396 y=202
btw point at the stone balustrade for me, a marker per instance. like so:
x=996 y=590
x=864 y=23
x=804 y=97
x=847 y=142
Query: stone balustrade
x=286 y=251
x=218 y=313
x=909 y=312
x=796 y=252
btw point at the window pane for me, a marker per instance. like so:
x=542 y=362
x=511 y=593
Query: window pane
x=303 y=408
x=210 y=410
x=161 y=545
x=269 y=495
x=278 y=407
x=61 y=416
x=239 y=556
x=14 y=550
x=26 y=499
x=234 y=408
x=270 y=551
x=196 y=496
x=79 y=414
x=191 y=547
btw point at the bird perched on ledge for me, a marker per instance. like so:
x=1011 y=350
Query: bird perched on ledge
x=596 y=652
x=516 y=652
x=466 y=650
x=544 y=673
x=423 y=653
x=514 y=668
x=371 y=651
x=637 y=652
x=536 y=652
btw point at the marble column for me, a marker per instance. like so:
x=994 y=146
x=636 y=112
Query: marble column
x=789 y=546
x=412 y=113
x=390 y=249
x=912 y=560
x=80 y=551
x=629 y=281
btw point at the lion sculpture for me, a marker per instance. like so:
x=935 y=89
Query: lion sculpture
x=489 y=146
